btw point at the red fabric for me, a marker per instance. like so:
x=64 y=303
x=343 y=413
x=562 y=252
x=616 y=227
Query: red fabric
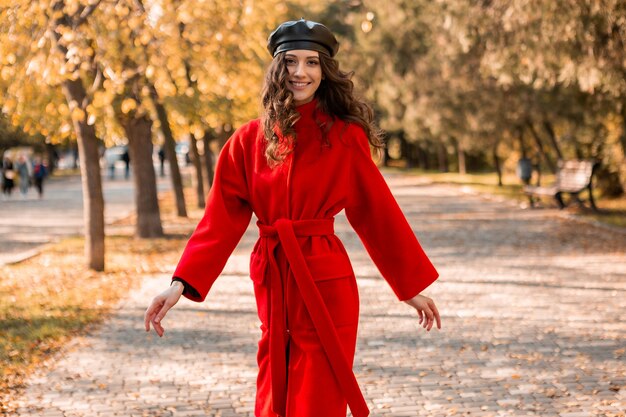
x=317 y=181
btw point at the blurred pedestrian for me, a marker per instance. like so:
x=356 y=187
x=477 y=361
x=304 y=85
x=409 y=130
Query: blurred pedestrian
x=304 y=161
x=24 y=172
x=110 y=158
x=162 y=160
x=40 y=172
x=126 y=159
x=8 y=176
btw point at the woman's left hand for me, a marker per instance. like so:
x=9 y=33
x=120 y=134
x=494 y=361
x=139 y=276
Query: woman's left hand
x=426 y=310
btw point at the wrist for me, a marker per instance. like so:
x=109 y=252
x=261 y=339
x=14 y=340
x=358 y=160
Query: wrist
x=178 y=286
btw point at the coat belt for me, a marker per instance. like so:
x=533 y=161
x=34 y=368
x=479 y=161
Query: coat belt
x=284 y=232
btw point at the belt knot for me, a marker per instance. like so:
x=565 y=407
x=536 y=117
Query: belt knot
x=301 y=228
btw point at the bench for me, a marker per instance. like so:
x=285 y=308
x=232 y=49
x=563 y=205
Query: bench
x=572 y=177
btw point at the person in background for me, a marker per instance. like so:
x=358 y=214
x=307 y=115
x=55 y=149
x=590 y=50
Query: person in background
x=40 y=172
x=162 y=160
x=8 y=176
x=24 y=172
x=126 y=159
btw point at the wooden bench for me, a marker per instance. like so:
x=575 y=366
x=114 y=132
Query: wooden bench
x=572 y=177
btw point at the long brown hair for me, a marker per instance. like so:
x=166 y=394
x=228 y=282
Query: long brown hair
x=335 y=97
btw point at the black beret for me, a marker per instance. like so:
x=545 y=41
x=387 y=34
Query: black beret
x=302 y=34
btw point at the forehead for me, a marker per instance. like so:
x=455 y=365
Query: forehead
x=302 y=53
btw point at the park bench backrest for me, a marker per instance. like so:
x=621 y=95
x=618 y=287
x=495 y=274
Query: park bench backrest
x=574 y=175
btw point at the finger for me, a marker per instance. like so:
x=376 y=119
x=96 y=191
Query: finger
x=437 y=316
x=158 y=328
x=431 y=319
x=146 y=321
x=421 y=316
x=426 y=318
x=149 y=314
x=156 y=322
x=164 y=309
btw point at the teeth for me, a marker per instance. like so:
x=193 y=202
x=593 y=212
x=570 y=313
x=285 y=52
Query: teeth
x=299 y=84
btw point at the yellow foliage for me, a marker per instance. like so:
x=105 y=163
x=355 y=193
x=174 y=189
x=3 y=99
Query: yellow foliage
x=128 y=105
x=208 y=71
x=78 y=114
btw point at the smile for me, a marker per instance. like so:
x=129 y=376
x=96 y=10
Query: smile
x=299 y=84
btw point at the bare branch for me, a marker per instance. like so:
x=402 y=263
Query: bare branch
x=140 y=5
x=85 y=13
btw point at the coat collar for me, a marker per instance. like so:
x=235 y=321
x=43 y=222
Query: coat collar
x=308 y=110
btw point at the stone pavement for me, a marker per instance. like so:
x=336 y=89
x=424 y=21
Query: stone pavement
x=533 y=308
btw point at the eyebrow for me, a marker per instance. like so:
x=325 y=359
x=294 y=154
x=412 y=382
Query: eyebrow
x=310 y=56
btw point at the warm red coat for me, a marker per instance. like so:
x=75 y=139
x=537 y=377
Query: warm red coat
x=305 y=288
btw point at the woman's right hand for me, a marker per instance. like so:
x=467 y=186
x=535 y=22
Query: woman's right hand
x=160 y=306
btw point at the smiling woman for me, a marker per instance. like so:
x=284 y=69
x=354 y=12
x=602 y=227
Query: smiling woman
x=306 y=159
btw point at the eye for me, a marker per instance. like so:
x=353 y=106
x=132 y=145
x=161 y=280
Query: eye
x=290 y=61
x=313 y=62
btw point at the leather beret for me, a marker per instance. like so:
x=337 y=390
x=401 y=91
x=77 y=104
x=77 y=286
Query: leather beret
x=302 y=34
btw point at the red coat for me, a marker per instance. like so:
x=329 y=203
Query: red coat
x=305 y=288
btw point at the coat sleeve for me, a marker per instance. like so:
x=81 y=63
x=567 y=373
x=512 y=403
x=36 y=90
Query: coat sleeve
x=225 y=219
x=382 y=227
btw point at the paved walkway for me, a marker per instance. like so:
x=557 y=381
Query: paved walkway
x=27 y=223
x=534 y=315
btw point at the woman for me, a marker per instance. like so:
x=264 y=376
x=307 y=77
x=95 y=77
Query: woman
x=303 y=162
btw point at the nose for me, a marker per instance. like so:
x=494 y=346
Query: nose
x=299 y=70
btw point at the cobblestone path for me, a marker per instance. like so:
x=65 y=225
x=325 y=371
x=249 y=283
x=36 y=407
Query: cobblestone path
x=534 y=316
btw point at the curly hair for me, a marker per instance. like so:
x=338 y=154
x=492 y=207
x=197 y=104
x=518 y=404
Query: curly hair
x=335 y=97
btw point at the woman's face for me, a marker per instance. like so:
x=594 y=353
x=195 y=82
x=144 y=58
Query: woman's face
x=305 y=74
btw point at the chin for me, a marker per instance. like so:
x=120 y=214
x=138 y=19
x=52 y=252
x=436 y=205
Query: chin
x=302 y=98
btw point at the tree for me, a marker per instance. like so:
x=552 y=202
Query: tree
x=41 y=54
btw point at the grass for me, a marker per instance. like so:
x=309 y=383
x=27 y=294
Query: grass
x=66 y=172
x=48 y=299
x=612 y=210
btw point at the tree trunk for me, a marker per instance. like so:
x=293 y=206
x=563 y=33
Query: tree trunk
x=578 y=151
x=421 y=154
x=543 y=154
x=442 y=157
x=197 y=164
x=622 y=138
x=170 y=152
x=51 y=154
x=93 y=200
x=555 y=145
x=208 y=159
x=386 y=157
x=411 y=154
x=461 y=155
x=138 y=131
x=496 y=162
x=91 y=180
x=75 y=155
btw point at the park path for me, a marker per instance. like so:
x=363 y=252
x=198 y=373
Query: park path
x=27 y=223
x=533 y=308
